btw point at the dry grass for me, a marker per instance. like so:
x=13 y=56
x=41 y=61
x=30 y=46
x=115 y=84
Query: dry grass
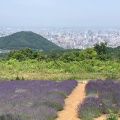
x=51 y=76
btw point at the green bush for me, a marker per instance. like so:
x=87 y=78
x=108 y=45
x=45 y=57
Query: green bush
x=112 y=117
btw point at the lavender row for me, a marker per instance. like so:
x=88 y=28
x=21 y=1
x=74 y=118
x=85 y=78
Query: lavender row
x=33 y=100
x=107 y=90
x=102 y=97
x=91 y=107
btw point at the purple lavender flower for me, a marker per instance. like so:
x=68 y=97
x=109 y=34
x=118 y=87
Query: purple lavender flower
x=91 y=87
x=34 y=100
x=90 y=108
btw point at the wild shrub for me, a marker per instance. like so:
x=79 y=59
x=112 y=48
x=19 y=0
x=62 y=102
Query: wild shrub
x=112 y=117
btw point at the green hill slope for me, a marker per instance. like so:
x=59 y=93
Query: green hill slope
x=25 y=39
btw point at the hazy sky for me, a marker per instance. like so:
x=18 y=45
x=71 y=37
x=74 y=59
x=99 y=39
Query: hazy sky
x=59 y=13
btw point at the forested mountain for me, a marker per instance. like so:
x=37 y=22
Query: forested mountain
x=26 y=39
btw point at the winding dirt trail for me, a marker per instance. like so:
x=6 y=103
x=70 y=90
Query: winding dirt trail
x=71 y=104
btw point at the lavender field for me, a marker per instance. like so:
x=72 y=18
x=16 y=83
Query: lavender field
x=102 y=97
x=33 y=100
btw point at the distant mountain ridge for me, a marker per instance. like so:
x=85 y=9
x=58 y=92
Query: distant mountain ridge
x=27 y=39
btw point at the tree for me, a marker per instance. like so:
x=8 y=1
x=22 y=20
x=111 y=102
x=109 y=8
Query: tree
x=40 y=55
x=21 y=54
x=101 y=50
x=88 y=53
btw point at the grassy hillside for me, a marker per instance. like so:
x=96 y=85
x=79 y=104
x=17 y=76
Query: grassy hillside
x=25 y=39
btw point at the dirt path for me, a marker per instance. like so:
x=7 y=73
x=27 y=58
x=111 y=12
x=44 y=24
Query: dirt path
x=71 y=103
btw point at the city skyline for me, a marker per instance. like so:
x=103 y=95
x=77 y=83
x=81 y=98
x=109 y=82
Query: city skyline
x=72 y=38
x=63 y=13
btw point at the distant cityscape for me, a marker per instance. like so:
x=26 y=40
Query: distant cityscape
x=72 y=38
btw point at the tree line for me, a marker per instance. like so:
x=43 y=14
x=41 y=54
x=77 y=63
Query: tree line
x=99 y=51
